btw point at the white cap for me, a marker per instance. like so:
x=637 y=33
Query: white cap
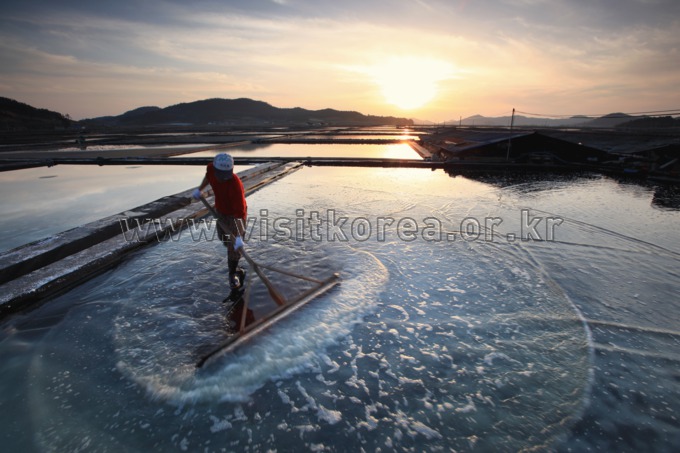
x=223 y=162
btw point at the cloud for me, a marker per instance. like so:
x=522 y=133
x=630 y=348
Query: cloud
x=296 y=52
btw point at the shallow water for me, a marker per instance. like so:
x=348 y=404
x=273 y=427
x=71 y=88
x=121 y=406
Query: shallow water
x=386 y=151
x=450 y=330
x=363 y=137
x=39 y=202
x=43 y=201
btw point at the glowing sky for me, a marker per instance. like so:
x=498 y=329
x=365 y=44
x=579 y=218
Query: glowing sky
x=426 y=59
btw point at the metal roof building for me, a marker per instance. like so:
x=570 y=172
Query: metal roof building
x=495 y=146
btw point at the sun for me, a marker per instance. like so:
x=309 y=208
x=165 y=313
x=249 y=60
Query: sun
x=407 y=92
x=410 y=82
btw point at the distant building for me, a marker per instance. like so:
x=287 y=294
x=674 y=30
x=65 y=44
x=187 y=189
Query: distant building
x=663 y=161
x=494 y=146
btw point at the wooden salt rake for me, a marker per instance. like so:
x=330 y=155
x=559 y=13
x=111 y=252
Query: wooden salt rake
x=285 y=307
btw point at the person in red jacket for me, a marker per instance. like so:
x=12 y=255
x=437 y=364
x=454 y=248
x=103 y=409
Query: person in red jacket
x=230 y=202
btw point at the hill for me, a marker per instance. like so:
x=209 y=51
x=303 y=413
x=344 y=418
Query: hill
x=238 y=112
x=611 y=120
x=607 y=121
x=660 y=122
x=17 y=116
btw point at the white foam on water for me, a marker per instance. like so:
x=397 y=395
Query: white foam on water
x=292 y=345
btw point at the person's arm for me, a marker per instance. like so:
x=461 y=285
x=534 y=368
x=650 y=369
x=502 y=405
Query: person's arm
x=240 y=223
x=197 y=191
x=204 y=183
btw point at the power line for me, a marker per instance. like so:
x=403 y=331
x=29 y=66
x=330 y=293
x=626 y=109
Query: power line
x=608 y=115
x=659 y=112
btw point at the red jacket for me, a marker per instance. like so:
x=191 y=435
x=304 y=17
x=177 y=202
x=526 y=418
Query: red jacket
x=230 y=198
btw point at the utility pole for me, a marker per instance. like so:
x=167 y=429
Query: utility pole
x=512 y=123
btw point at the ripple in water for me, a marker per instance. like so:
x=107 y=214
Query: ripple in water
x=156 y=338
x=422 y=346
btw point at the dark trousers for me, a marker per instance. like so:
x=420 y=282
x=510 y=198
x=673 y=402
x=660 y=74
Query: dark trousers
x=234 y=227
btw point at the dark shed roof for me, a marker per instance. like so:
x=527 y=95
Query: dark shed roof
x=521 y=146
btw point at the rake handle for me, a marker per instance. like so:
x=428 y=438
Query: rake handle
x=278 y=297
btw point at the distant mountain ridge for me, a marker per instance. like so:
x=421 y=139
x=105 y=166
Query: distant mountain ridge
x=242 y=111
x=611 y=120
x=606 y=121
x=17 y=116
